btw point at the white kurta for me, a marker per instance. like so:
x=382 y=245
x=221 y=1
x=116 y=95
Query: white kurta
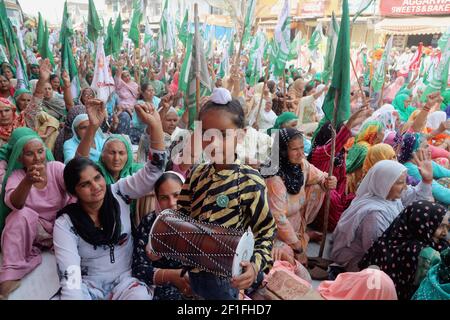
x=89 y=272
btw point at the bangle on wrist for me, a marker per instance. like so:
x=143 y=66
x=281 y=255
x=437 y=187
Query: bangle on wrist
x=155 y=273
x=161 y=279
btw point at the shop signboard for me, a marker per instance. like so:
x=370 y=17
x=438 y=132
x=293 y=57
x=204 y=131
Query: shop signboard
x=414 y=7
x=312 y=8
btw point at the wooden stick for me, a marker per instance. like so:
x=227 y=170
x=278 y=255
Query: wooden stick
x=330 y=174
x=137 y=62
x=266 y=77
x=197 y=62
x=380 y=101
x=284 y=89
x=241 y=45
x=354 y=70
x=357 y=80
x=365 y=36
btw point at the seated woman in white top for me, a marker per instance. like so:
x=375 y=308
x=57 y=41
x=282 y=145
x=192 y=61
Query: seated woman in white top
x=306 y=110
x=380 y=198
x=263 y=118
x=93 y=238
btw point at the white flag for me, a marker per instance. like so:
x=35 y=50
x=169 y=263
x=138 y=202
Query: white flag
x=282 y=41
x=103 y=82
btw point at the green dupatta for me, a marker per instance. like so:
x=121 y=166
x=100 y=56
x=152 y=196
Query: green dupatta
x=130 y=167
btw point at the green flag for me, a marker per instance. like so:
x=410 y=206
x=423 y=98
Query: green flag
x=66 y=26
x=149 y=41
x=438 y=78
x=380 y=72
x=256 y=59
x=118 y=36
x=188 y=79
x=281 y=44
x=69 y=65
x=224 y=65
x=138 y=14
x=295 y=47
x=443 y=40
x=333 y=32
x=166 y=35
x=109 y=42
x=40 y=31
x=3 y=55
x=3 y=37
x=340 y=85
x=428 y=73
x=183 y=32
x=185 y=67
x=94 y=25
x=21 y=74
x=4 y=32
x=11 y=43
x=248 y=22
x=268 y=49
x=316 y=38
x=3 y=11
x=44 y=49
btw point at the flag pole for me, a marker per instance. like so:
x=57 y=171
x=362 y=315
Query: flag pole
x=380 y=101
x=197 y=60
x=241 y=44
x=330 y=174
x=137 y=56
x=354 y=69
x=284 y=88
x=266 y=77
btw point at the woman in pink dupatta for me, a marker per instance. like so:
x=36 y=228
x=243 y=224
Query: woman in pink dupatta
x=173 y=88
x=368 y=284
x=126 y=88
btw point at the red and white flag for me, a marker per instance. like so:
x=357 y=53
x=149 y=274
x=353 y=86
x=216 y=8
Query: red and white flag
x=103 y=81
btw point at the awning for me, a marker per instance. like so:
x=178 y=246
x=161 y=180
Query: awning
x=409 y=26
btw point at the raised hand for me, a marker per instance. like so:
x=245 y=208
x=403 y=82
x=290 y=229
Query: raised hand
x=422 y=159
x=45 y=69
x=119 y=65
x=147 y=114
x=166 y=101
x=35 y=174
x=66 y=79
x=96 y=111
